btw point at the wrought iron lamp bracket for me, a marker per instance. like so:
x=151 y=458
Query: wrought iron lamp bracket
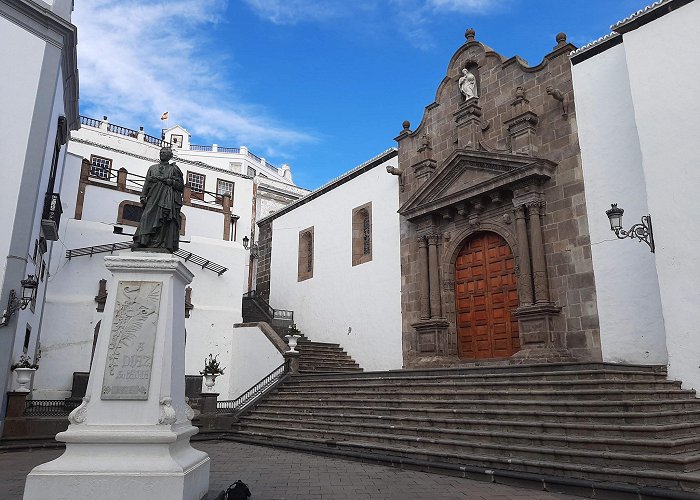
x=14 y=304
x=642 y=231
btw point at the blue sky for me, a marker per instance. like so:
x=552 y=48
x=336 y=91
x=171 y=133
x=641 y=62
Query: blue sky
x=320 y=85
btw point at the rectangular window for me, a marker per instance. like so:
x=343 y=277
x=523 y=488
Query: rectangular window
x=196 y=183
x=100 y=167
x=306 y=254
x=362 y=234
x=251 y=171
x=27 y=337
x=223 y=187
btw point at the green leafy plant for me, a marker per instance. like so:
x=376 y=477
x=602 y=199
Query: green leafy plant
x=293 y=330
x=26 y=362
x=212 y=366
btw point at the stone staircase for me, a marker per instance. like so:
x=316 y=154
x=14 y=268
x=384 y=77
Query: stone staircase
x=593 y=422
x=321 y=357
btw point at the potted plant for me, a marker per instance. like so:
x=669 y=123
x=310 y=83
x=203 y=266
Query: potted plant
x=293 y=337
x=24 y=368
x=212 y=369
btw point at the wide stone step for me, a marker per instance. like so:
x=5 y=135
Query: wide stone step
x=614 y=415
x=325 y=357
x=451 y=386
x=394 y=453
x=597 y=429
x=333 y=360
x=329 y=369
x=679 y=462
x=350 y=393
x=501 y=403
x=503 y=435
x=318 y=345
x=386 y=377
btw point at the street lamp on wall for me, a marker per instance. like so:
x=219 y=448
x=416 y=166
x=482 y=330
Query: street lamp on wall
x=253 y=248
x=642 y=231
x=14 y=303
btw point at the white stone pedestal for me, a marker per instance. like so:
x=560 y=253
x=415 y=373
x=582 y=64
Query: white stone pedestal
x=130 y=439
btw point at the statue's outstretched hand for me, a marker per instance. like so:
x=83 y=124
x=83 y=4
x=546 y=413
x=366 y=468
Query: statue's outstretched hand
x=169 y=182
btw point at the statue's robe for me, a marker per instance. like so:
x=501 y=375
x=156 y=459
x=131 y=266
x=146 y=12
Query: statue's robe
x=160 y=221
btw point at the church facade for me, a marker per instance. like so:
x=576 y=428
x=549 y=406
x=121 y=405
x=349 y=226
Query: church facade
x=495 y=252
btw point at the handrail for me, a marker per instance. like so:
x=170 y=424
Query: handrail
x=254 y=393
x=123 y=245
x=281 y=314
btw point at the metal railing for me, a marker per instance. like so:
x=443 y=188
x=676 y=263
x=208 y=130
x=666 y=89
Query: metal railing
x=123 y=245
x=255 y=392
x=118 y=129
x=195 y=147
x=283 y=315
x=48 y=407
x=90 y=122
x=230 y=150
x=155 y=140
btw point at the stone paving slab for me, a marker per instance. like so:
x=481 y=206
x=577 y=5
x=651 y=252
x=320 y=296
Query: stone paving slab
x=273 y=474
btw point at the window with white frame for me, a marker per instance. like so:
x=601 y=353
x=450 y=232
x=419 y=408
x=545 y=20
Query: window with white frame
x=223 y=187
x=100 y=167
x=196 y=183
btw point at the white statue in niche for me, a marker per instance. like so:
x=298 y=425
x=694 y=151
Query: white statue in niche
x=467 y=84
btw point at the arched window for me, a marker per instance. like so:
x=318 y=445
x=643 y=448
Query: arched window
x=362 y=234
x=306 y=254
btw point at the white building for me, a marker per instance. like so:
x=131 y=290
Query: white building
x=334 y=261
x=100 y=193
x=39 y=99
x=637 y=107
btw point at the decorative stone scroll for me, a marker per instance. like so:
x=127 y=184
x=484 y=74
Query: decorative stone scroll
x=127 y=373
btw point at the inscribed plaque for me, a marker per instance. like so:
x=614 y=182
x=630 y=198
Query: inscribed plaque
x=132 y=340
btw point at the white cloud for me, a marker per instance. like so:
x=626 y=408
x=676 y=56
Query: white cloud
x=412 y=18
x=294 y=11
x=467 y=6
x=138 y=59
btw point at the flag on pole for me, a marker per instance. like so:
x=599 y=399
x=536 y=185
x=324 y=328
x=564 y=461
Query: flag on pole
x=164 y=116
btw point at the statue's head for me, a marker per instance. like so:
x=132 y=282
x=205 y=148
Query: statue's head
x=166 y=154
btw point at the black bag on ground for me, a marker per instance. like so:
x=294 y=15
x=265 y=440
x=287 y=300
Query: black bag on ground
x=237 y=491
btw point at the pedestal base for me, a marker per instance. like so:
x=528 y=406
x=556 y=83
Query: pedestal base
x=130 y=437
x=123 y=463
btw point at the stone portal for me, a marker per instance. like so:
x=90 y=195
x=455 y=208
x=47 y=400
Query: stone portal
x=495 y=163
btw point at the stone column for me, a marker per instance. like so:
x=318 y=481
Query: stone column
x=424 y=277
x=435 y=310
x=539 y=266
x=525 y=274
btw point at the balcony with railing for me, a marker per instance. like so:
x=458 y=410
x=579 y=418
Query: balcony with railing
x=51 y=216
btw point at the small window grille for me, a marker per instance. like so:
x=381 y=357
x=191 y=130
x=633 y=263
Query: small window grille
x=309 y=253
x=100 y=167
x=366 y=234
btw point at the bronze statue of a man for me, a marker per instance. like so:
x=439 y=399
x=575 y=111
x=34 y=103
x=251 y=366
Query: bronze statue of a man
x=161 y=198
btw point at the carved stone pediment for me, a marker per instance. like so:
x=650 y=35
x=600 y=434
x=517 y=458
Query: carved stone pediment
x=468 y=175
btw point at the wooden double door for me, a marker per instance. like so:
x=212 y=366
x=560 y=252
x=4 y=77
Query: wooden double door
x=486 y=293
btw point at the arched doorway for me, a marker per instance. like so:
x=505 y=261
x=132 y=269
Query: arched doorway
x=486 y=294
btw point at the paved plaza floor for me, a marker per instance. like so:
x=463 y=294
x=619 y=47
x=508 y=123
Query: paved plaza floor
x=273 y=474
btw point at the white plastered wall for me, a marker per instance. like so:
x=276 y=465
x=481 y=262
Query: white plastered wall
x=629 y=305
x=252 y=357
x=359 y=306
x=637 y=110
x=664 y=75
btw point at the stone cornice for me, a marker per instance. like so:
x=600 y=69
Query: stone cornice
x=508 y=171
x=149 y=262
